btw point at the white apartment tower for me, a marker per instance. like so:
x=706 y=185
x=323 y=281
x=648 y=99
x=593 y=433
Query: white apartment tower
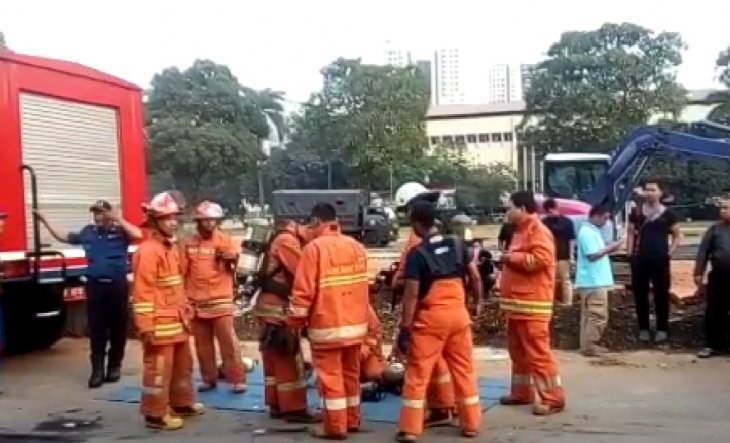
x=447 y=82
x=504 y=83
x=397 y=56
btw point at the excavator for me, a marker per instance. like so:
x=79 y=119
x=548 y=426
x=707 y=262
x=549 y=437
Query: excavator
x=614 y=187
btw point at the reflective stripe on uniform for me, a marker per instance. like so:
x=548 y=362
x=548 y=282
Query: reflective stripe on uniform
x=171 y=280
x=546 y=385
x=470 y=401
x=291 y=386
x=521 y=380
x=530 y=262
x=335 y=404
x=441 y=379
x=342 y=280
x=353 y=401
x=168 y=330
x=371 y=341
x=270 y=381
x=413 y=404
x=143 y=307
x=151 y=390
x=535 y=307
x=214 y=305
x=340 y=333
x=296 y=311
x=270 y=311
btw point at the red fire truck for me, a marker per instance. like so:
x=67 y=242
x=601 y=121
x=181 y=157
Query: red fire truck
x=69 y=135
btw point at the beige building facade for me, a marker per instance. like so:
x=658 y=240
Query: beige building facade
x=488 y=133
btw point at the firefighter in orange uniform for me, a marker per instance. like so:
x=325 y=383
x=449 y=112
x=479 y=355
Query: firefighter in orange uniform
x=285 y=383
x=372 y=363
x=441 y=400
x=435 y=324
x=162 y=316
x=527 y=281
x=209 y=261
x=330 y=298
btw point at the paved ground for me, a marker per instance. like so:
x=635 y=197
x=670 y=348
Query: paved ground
x=643 y=397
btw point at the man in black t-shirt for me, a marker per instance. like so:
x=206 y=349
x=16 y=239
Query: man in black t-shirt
x=651 y=225
x=564 y=236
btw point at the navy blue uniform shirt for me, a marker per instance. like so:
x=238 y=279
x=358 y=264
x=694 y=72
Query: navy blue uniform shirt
x=106 y=250
x=416 y=267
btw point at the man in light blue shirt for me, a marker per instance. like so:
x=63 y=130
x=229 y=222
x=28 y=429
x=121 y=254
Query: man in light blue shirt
x=593 y=280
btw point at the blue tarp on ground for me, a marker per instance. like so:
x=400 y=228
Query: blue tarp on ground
x=384 y=411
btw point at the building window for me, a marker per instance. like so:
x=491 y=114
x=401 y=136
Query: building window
x=435 y=140
x=496 y=137
x=447 y=139
x=471 y=138
x=507 y=136
x=459 y=139
x=483 y=138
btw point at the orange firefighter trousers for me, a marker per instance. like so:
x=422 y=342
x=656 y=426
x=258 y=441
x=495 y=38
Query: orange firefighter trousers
x=528 y=343
x=205 y=332
x=285 y=386
x=338 y=382
x=167 y=378
x=427 y=346
x=440 y=393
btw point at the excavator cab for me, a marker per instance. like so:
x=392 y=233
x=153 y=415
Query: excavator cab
x=572 y=175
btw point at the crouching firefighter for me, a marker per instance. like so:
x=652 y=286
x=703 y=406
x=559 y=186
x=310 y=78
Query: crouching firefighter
x=284 y=375
x=440 y=395
x=210 y=258
x=436 y=324
x=162 y=316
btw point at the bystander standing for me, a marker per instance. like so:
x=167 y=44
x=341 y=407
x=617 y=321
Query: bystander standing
x=564 y=237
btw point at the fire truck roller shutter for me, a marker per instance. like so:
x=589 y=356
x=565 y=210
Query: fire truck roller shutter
x=74 y=149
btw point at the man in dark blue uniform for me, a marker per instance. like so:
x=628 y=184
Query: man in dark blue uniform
x=106 y=243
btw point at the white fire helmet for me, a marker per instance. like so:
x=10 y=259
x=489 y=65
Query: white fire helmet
x=207 y=210
x=406 y=193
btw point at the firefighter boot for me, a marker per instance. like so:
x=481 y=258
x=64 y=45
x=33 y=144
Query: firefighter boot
x=97 y=371
x=166 y=423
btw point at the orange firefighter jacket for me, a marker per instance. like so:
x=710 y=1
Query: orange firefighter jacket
x=209 y=279
x=412 y=241
x=528 y=276
x=330 y=291
x=285 y=250
x=158 y=293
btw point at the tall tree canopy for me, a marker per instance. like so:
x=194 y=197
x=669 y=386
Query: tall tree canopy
x=368 y=117
x=595 y=86
x=203 y=129
x=721 y=114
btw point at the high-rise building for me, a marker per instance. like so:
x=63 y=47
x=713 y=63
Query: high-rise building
x=526 y=73
x=397 y=56
x=448 y=82
x=504 y=83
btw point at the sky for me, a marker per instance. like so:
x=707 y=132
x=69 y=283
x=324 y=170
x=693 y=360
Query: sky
x=283 y=44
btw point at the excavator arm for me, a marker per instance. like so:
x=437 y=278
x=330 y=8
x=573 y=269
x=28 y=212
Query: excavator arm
x=699 y=139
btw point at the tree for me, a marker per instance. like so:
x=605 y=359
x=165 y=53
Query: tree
x=3 y=45
x=202 y=130
x=595 y=86
x=269 y=102
x=721 y=114
x=368 y=117
x=484 y=187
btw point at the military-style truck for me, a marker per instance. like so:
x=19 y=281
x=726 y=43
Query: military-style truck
x=357 y=218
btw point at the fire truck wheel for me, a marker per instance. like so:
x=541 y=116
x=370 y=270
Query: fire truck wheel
x=34 y=317
x=370 y=238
